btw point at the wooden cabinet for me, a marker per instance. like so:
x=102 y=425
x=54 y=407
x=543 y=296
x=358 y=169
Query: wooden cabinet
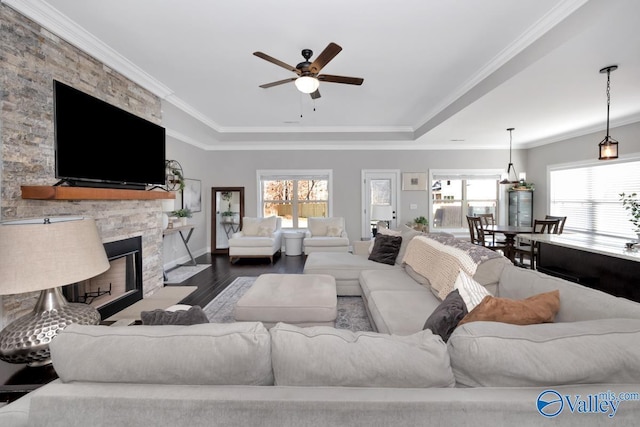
x=521 y=208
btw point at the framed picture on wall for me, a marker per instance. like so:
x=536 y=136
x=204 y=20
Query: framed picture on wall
x=414 y=181
x=192 y=195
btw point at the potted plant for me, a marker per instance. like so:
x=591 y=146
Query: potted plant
x=227 y=216
x=421 y=224
x=631 y=203
x=182 y=214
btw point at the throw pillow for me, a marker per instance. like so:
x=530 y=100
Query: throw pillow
x=386 y=232
x=385 y=249
x=317 y=226
x=334 y=231
x=269 y=222
x=447 y=315
x=250 y=226
x=541 y=308
x=195 y=315
x=471 y=291
x=264 y=231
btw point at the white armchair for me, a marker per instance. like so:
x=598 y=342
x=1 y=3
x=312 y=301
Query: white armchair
x=325 y=235
x=259 y=238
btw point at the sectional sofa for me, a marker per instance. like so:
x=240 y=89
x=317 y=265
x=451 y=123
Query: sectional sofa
x=582 y=369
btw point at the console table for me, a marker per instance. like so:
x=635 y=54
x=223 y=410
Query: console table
x=185 y=239
x=601 y=263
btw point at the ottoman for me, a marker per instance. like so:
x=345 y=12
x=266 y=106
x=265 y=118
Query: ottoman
x=297 y=299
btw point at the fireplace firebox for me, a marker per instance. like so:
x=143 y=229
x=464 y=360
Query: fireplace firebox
x=119 y=286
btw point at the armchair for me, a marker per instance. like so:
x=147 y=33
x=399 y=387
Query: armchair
x=325 y=235
x=259 y=238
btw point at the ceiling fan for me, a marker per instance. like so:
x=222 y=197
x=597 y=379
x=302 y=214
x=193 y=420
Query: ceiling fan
x=309 y=79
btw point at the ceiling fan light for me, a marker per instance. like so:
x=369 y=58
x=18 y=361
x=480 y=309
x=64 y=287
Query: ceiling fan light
x=307 y=84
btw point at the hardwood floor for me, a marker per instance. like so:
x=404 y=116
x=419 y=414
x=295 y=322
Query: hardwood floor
x=212 y=281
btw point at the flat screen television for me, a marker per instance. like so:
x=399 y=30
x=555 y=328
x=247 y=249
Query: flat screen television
x=100 y=145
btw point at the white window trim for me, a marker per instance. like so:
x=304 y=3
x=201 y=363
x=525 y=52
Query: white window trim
x=461 y=174
x=294 y=174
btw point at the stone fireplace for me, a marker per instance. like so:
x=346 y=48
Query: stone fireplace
x=32 y=58
x=119 y=286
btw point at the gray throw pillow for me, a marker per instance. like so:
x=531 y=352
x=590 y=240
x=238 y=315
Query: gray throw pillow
x=193 y=316
x=385 y=249
x=447 y=315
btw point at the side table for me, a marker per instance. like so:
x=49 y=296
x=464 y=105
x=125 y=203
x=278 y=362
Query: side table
x=293 y=242
x=19 y=379
x=185 y=240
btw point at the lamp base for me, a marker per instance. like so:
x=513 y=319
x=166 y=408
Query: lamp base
x=26 y=340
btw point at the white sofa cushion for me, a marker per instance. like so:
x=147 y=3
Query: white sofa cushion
x=495 y=354
x=209 y=354
x=325 y=356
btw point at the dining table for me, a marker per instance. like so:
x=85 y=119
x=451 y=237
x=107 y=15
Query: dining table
x=510 y=232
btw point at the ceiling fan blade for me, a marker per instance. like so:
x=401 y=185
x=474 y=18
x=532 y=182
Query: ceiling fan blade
x=323 y=59
x=315 y=95
x=276 y=61
x=340 y=79
x=279 y=82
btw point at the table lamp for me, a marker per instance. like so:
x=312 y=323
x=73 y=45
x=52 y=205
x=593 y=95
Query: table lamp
x=168 y=205
x=42 y=255
x=382 y=213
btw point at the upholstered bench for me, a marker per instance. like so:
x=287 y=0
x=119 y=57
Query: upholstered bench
x=298 y=299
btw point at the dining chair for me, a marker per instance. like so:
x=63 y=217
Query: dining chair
x=489 y=220
x=478 y=235
x=530 y=250
x=562 y=219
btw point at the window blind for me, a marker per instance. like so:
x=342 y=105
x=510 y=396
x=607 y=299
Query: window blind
x=589 y=196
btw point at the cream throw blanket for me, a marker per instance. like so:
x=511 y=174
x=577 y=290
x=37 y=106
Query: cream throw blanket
x=439 y=263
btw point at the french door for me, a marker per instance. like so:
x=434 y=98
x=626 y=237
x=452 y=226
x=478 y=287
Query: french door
x=380 y=188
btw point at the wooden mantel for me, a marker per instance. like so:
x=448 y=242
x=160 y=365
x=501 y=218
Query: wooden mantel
x=45 y=192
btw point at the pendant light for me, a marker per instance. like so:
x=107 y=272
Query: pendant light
x=608 y=147
x=506 y=178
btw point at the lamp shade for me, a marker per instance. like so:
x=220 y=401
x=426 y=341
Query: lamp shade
x=44 y=253
x=382 y=212
x=307 y=84
x=168 y=205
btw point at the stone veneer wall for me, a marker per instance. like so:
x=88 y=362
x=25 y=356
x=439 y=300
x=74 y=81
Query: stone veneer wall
x=30 y=59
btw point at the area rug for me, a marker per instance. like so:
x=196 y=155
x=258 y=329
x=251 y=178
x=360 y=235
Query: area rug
x=182 y=273
x=351 y=312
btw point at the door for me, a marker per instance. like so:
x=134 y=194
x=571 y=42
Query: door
x=227 y=207
x=380 y=189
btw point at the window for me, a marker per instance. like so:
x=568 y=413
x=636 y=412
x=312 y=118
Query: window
x=295 y=196
x=458 y=194
x=589 y=196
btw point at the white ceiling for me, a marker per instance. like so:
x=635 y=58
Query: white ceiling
x=437 y=74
